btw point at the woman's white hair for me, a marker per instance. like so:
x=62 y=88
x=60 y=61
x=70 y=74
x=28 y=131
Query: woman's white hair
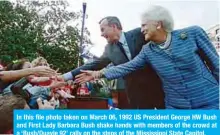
x=159 y=13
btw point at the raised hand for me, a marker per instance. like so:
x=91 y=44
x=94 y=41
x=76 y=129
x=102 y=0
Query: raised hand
x=65 y=94
x=57 y=83
x=87 y=76
x=45 y=104
x=44 y=71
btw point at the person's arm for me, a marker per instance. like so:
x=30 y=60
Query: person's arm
x=114 y=72
x=36 y=79
x=204 y=43
x=17 y=74
x=98 y=64
x=57 y=84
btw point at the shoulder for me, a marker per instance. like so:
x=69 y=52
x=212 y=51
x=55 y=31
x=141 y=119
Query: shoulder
x=190 y=30
x=137 y=36
x=107 y=47
x=136 y=31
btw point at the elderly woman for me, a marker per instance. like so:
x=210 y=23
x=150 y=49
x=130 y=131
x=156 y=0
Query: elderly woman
x=185 y=60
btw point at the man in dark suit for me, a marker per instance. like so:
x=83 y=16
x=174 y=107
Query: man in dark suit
x=143 y=87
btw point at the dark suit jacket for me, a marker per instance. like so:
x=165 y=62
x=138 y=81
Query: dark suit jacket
x=143 y=86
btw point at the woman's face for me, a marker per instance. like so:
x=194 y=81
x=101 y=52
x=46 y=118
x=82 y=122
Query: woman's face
x=43 y=63
x=27 y=65
x=149 y=28
x=83 y=85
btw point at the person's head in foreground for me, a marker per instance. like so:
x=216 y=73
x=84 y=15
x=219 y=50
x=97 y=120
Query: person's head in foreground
x=7 y=104
x=10 y=102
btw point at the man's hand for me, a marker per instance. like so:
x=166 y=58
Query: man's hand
x=87 y=76
x=65 y=94
x=43 y=71
x=57 y=84
x=60 y=78
x=45 y=104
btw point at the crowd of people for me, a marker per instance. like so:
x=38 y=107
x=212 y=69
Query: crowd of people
x=31 y=85
x=34 y=85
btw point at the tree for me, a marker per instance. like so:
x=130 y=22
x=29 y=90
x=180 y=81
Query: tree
x=60 y=32
x=40 y=28
x=19 y=36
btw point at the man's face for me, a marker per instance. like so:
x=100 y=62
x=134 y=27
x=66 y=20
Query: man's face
x=149 y=28
x=108 y=32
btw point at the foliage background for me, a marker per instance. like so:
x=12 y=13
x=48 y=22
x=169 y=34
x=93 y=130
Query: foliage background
x=29 y=29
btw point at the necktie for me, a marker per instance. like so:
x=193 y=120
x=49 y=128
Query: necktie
x=122 y=49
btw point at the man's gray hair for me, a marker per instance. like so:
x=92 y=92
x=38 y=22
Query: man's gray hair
x=159 y=13
x=112 y=20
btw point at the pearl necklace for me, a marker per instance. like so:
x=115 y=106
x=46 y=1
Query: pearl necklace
x=167 y=42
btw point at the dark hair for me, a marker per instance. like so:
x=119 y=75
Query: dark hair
x=16 y=65
x=7 y=104
x=112 y=20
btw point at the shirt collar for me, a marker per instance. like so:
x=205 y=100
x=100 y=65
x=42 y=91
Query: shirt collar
x=122 y=38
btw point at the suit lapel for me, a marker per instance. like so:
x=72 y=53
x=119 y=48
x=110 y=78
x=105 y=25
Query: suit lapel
x=131 y=44
x=117 y=54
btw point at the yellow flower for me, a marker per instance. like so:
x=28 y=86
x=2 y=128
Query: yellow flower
x=15 y=61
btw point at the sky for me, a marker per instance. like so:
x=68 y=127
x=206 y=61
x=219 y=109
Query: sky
x=185 y=13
